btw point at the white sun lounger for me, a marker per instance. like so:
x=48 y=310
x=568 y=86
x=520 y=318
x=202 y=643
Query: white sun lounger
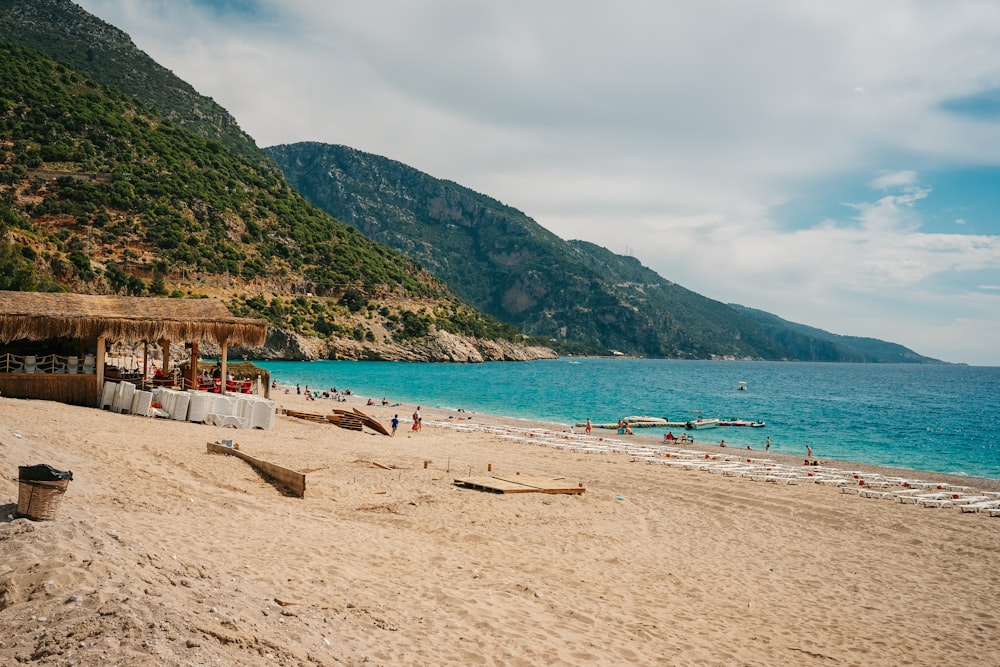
x=993 y=503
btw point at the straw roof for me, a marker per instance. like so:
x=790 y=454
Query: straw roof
x=43 y=315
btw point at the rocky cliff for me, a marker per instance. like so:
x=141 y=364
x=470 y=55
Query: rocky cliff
x=438 y=346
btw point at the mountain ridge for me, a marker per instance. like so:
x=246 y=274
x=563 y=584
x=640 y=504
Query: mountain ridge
x=580 y=295
x=102 y=195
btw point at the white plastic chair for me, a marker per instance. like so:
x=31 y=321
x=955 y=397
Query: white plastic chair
x=88 y=364
x=224 y=413
x=72 y=365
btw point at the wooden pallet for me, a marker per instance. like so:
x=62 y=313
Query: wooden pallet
x=353 y=420
x=308 y=416
x=345 y=420
x=519 y=483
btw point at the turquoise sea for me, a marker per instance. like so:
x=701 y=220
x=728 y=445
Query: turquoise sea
x=932 y=418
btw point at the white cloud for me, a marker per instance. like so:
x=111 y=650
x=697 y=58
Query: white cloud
x=894 y=179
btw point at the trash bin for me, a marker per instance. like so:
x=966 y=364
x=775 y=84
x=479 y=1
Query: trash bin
x=39 y=490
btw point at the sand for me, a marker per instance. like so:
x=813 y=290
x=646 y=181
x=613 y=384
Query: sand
x=161 y=554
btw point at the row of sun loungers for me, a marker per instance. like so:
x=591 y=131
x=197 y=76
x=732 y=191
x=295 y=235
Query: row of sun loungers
x=237 y=410
x=863 y=484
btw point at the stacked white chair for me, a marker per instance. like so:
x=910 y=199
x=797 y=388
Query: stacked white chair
x=218 y=410
x=88 y=364
x=108 y=394
x=224 y=413
x=241 y=406
x=123 y=397
x=165 y=398
x=198 y=406
x=30 y=364
x=72 y=365
x=262 y=414
x=142 y=402
x=179 y=411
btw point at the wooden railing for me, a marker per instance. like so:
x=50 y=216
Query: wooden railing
x=46 y=363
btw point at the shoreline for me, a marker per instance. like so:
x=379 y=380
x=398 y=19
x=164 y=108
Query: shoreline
x=895 y=441
x=406 y=409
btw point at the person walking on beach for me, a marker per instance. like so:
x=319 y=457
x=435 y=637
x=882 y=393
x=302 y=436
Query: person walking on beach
x=767 y=444
x=395 y=424
x=588 y=426
x=809 y=451
x=416 y=419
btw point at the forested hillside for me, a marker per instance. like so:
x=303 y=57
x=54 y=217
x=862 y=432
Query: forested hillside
x=101 y=194
x=500 y=260
x=580 y=295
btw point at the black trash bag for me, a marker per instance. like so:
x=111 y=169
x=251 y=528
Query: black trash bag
x=42 y=472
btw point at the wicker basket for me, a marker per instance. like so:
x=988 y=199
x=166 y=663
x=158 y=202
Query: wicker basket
x=39 y=500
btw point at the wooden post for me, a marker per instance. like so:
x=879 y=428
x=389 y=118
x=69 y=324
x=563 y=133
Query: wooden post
x=165 y=344
x=225 y=366
x=99 y=365
x=194 y=364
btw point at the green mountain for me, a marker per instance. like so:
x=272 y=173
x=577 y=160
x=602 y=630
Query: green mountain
x=811 y=344
x=584 y=297
x=85 y=43
x=99 y=193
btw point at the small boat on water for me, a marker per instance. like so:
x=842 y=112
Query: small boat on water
x=742 y=386
x=642 y=421
x=696 y=424
x=740 y=422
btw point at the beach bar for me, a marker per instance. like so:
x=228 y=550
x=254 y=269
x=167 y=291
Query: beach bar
x=53 y=346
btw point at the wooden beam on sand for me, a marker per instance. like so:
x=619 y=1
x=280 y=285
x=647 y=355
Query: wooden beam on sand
x=372 y=423
x=520 y=484
x=292 y=482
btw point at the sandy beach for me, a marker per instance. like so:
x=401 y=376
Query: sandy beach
x=163 y=554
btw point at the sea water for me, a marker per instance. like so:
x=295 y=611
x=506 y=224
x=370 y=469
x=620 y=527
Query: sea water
x=939 y=418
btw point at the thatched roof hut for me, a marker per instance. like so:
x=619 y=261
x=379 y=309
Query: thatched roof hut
x=33 y=319
x=40 y=316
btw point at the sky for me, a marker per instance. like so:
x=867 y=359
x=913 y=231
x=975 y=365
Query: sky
x=834 y=163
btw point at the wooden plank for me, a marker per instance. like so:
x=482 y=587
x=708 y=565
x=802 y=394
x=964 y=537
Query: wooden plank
x=543 y=484
x=519 y=484
x=292 y=481
x=372 y=423
x=495 y=485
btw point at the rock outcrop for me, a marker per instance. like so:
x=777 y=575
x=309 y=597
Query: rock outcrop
x=439 y=346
